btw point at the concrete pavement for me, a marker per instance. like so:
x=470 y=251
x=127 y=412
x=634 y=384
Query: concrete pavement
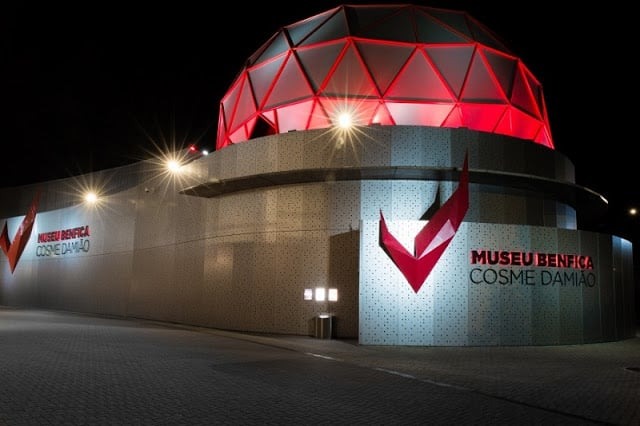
x=594 y=383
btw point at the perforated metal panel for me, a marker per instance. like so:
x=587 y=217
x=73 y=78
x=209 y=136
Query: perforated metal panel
x=546 y=304
x=242 y=260
x=474 y=303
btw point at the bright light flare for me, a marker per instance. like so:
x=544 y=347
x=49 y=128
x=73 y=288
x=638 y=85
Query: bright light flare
x=633 y=211
x=347 y=127
x=90 y=197
x=173 y=165
x=345 y=120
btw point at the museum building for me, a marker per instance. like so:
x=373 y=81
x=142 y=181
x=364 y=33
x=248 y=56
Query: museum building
x=386 y=171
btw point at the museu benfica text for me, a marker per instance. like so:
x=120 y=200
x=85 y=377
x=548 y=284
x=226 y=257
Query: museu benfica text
x=520 y=258
x=538 y=268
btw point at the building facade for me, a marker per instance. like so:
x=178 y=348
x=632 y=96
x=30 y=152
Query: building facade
x=442 y=216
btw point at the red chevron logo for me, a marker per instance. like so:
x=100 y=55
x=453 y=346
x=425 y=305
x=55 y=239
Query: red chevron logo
x=432 y=240
x=13 y=250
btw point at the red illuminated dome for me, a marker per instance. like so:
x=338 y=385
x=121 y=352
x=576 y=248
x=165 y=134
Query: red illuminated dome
x=388 y=65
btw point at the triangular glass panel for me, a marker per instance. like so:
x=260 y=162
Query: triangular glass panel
x=262 y=78
x=384 y=61
x=270 y=116
x=290 y=86
x=454 y=119
x=333 y=28
x=249 y=124
x=503 y=68
x=319 y=118
x=317 y=62
x=485 y=36
x=453 y=63
x=246 y=106
x=240 y=135
x=518 y=124
x=521 y=96
x=453 y=19
x=382 y=116
x=294 y=117
x=419 y=113
x=221 y=137
x=483 y=118
x=350 y=78
x=480 y=86
x=362 y=17
x=544 y=138
x=419 y=81
x=230 y=100
x=278 y=45
x=397 y=27
x=431 y=31
x=536 y=89
x=300 y=30
x=543 y=106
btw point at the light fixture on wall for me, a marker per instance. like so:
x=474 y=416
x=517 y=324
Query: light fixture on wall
x=321 y=294
x=333 y=295
x=308 y=294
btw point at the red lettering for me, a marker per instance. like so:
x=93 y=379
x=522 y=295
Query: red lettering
x=541 y=259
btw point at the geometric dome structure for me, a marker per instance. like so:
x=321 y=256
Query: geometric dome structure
x=387 y=65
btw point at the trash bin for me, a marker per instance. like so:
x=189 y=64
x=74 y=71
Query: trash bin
x=323 y=326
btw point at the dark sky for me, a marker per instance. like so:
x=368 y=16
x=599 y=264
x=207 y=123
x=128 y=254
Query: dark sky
x=87 y=87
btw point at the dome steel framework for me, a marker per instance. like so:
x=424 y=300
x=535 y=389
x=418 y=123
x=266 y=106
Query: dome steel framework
x=387 y=65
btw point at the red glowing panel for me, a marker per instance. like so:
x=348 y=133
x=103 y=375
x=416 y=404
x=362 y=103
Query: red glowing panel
x=319 y=118
x=246 y=107
x=480 y=85
x=423 y=114
x=419 y=81
x=413 y=65
x=294 y=117
x=483 y=118
x=382 y=116
x=432 y=240
x=522 y=95
x=350 y=77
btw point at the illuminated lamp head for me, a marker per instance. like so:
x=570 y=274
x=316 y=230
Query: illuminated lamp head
x=391 y=65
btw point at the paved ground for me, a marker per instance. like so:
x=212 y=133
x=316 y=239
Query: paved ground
x=65 y=368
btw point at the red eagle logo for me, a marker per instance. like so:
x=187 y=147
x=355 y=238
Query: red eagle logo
x=433 y=239
x=13 y=250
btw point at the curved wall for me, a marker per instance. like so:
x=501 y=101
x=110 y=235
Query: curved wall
x=234 y=243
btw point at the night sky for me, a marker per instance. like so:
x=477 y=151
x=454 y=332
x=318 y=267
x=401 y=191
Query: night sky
x=93 y=87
